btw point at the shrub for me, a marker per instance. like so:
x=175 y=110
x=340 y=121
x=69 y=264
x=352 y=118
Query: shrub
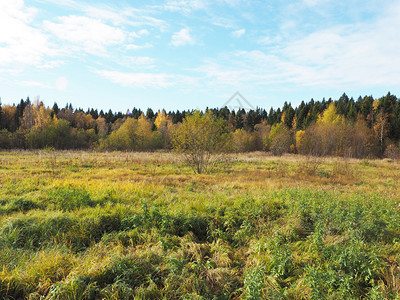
x=201 y=139
x=392 y=152
x=279 y=139
x=244 y=141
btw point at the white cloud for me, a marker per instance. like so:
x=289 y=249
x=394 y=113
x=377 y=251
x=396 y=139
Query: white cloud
x=228 y=23
x=143 y=32
x=230 y=2
x=141 y=60
x=139 y=34
x=182 y=38
x=311 y=2
x=85 y=33
x=51 y=64
x=269 y=40
x=123 y=16
x=67 y=3
x=31 y=83
x=238 y=33
x=149 y=80
x=20 y=42
x=138 y=80
x=138 y=47
x=342 y=57
x=185 y=6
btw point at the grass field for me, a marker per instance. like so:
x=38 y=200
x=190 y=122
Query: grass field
x=86 y=225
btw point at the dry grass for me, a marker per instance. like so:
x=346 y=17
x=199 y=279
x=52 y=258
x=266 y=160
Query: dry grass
x=255 y=204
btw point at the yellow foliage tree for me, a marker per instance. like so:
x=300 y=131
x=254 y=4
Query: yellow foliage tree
x=42 y=116
x=201 y=139
x=36 y=115
x=299 y=138
x=161 y=120
x=330 y=116
x=143 y=132
x=283 y=117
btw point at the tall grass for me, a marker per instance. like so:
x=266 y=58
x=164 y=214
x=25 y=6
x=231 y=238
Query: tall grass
x=129 y=226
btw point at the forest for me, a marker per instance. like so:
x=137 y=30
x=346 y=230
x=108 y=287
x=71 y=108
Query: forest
x=362 y=128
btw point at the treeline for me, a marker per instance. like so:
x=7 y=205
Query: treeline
x=365 y=127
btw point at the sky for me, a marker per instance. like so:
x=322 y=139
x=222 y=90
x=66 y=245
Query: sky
x=193 y=54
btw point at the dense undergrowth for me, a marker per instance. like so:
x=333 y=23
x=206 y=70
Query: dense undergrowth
x=136 y=228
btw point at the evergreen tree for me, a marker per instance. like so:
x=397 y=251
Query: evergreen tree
x=341 y=104
x=289 y=115
x=94 y=114
x=54 y=110
x=109 y=116
x=271 y=117
x=136 y=113
x=366 y=106
x=239 y=119
x=351 y=113
x=150 y=114
x=224 y=113
x=251 y=119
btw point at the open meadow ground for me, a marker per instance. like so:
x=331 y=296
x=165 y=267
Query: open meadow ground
x=88 y=225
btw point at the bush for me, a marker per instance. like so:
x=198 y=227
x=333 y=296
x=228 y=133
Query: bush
x=201 y=139
x=279 y=139
x=392 y=152
x=244 y=141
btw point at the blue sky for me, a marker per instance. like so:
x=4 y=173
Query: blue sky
x=188 y=54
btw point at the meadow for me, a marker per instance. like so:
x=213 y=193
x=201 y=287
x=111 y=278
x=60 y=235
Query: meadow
x=127 y=225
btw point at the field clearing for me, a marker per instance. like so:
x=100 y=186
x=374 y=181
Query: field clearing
x=127 y=225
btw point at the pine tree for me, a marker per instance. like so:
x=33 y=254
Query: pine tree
x=150 y=114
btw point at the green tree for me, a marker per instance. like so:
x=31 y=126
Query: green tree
x=202 y=139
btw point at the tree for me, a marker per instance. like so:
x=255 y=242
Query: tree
x=54 y=110
x=239 y=119
x=143 y=133
x=244 y=141
x=163 y=123
x=299 y=139
x=201 y=139
x=102 y=128
x=123 y=138
x=279 y=139
x=161 y=120
x=150 y=114
x=361 y=141
x=8 y=118
x=382 y=127
x=289 y=115
x=329 y=116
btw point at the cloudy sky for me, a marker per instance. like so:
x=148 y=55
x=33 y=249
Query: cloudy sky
x=185 y=54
